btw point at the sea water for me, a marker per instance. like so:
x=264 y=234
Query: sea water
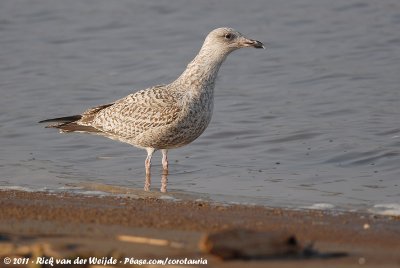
x=312 y=121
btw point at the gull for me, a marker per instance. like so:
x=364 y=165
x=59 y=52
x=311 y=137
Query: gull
x=167 y=116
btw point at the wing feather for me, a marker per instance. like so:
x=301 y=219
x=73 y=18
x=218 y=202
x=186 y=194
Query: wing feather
x=137 y=113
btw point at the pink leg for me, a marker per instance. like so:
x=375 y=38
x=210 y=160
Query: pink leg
x=164 y=177
x=164 y=160
x=147 y=182
x=164 y=182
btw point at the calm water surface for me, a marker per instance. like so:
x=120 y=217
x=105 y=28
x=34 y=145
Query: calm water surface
x=314 y=119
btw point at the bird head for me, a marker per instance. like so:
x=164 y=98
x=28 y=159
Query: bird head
x=229 y=39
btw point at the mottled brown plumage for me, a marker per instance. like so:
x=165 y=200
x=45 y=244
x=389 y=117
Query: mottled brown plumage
x=165 y=116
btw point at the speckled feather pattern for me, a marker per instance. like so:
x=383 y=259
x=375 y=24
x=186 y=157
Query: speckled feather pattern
x=165 y=116
x=160 y=117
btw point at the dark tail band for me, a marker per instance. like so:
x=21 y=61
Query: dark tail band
x=65 y=120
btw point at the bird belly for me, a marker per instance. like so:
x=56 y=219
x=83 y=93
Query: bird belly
x=188 y=127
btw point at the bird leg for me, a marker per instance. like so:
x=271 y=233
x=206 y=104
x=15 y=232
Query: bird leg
x=164 y=176
x=164 y=182
x=164 y=160
x=147 y=163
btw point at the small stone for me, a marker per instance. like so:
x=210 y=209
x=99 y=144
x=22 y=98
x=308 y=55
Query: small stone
x=248 y=244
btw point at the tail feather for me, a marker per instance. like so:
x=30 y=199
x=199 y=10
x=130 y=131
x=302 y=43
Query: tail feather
x=74 y=127
x=68 y=124
x=71 y=124
x=63 y=120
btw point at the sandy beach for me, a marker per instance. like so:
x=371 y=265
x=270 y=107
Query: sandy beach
x=307 y=129
x=125 y=230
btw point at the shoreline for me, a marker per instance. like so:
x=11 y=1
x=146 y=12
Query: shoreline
x=74 y=225
x=100 y=190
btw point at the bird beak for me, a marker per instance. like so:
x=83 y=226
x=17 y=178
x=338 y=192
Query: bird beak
x=252 y=43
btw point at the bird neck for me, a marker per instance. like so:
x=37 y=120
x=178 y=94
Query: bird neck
x=202 y=71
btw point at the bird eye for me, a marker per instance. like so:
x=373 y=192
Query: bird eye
x=228 y=36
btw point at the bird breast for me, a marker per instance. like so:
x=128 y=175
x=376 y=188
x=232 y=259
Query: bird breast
x=194 y=118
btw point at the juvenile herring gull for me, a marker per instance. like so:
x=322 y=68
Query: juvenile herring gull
x=163 y=117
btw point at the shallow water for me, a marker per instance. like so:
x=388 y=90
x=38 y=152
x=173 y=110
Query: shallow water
x=314 y=120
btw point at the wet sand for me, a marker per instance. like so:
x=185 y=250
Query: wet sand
x=66 y=225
